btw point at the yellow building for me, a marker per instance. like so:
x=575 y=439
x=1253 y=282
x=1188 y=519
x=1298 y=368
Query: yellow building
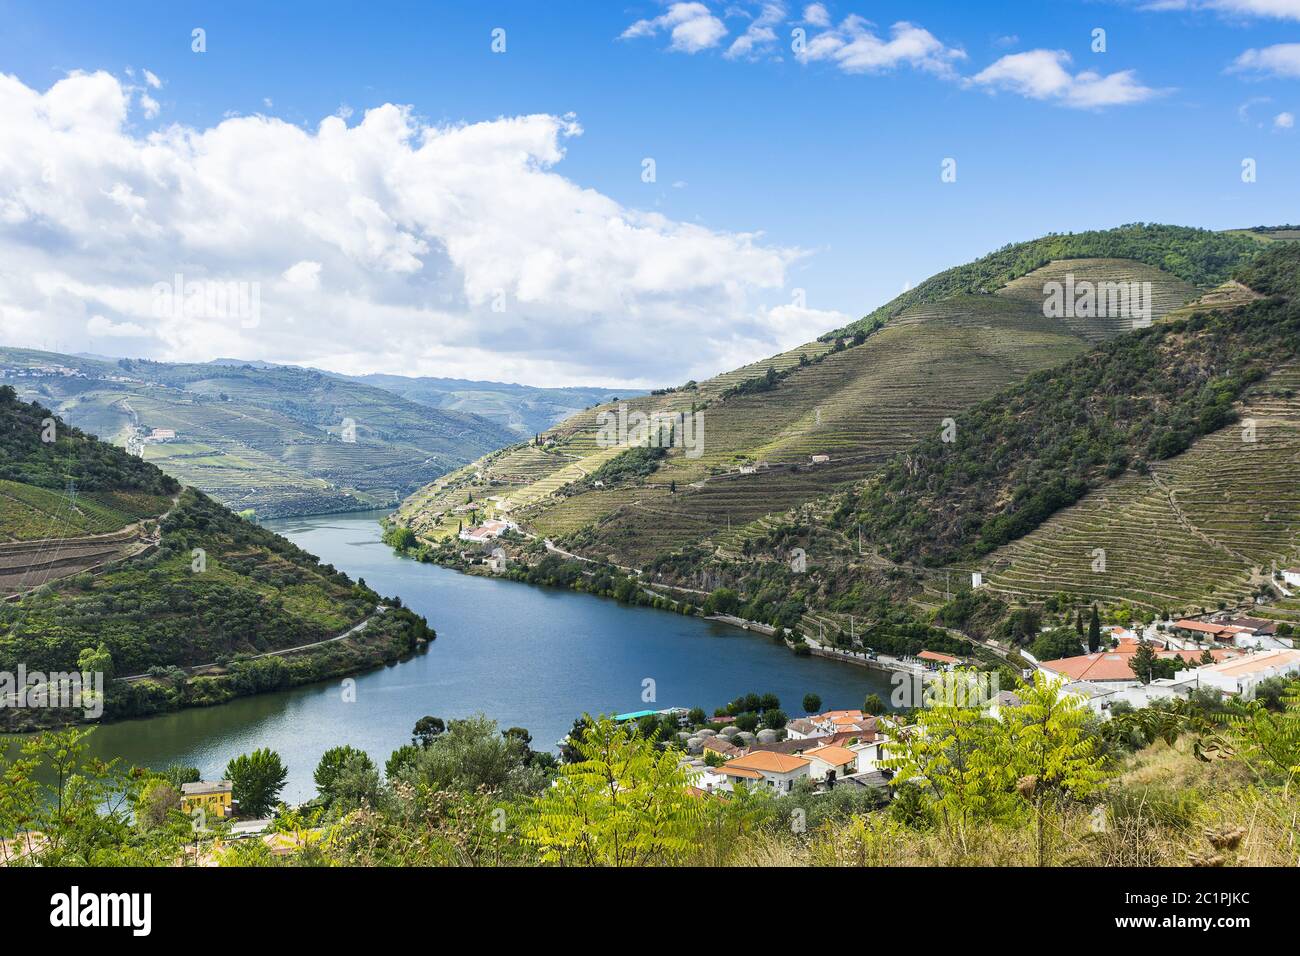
x=215 y=797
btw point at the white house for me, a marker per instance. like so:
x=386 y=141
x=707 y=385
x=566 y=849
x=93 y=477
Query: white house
x=1243 y=675
x=499 y=561
x=776 y=771
x=826 y=761
x=706 y=778
x=870 y=754
x=1291 y=576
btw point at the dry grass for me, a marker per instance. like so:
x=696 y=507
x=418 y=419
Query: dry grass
x=1164 y=808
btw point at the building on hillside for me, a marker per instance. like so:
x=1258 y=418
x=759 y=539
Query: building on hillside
x=721 y=746
x=828 y=763
x=777 y=772
x=834 y=720
x=162 y=434
x=801 y=728
x=820 y=459
x=1258 y=634
x=1242 y=676
x=1291 y=576
x=703 y=777
x=488 y=530
x=1001 y=701
x=793 y=745
x=1206 y=630
x=1112 y=667
x=870 y=753
x=936 y=661
x=214 y=797
x=867 y=780
x=498 y=561
x=1096 y=697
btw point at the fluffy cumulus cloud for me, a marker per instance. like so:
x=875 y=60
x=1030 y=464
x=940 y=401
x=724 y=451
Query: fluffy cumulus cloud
x=816 y=14
x=1281 y=60
x=692 y=27
x=760 y=36
x=855 y=46
x=388 y=245
x=1045 y=75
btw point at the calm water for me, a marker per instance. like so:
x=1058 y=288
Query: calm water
x=525 y=656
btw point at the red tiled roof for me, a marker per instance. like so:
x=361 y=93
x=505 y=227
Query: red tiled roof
x=1114 y=665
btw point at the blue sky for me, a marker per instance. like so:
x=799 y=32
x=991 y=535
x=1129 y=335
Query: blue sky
x=829 y=161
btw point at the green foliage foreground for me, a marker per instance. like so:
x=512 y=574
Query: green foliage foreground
x=1043 y=783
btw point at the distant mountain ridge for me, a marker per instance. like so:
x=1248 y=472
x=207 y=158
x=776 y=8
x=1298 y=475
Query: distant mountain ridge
x=280 y=440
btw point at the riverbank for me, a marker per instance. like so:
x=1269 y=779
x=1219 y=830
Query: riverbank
x=387 y=637
x=530 y=657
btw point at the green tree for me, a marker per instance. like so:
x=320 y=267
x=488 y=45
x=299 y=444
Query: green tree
x=812 y=703
x=426 y=728
x=257 y=779
x=1049 y=751
x=96 y=660
x=722 y=601
x=873 y=704
x=952 y=755
x=1056 y=643
x=338 y=768
x=623 y=803
x=158 y=798
x=1144 y=662
x=1094 y=631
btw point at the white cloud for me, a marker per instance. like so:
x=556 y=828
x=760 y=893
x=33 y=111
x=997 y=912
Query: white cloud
x=816 y=14
x=692 y=26
x=1284 y=121
x=393 y=244
x=1043 y=75
x=854 y=47
x=1275 y=9
x=303 y=275
x=152 y=80
x=100 y=327
x=759 y=36
x=149 y=105
x=1281 y=60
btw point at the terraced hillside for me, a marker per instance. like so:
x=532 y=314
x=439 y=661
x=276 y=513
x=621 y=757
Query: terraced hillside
x=146 y=578
x=277 y=440
x=850 y=403
x=1200 y=529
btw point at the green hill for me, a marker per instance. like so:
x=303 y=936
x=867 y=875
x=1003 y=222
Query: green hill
x=1040 y=446
x=857 y=398
x=181 y=594
x=1197 y=256
x=276 y=439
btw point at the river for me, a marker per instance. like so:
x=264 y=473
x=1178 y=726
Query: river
x=525 y=656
